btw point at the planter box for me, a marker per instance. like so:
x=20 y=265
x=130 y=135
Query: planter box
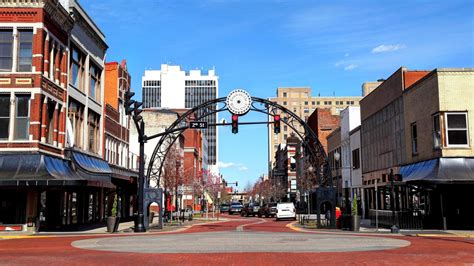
x=111 y=223
x=355 y=223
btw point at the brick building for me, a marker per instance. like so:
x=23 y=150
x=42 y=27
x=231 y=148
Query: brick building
x=300 y=101
x=285 y=169
x=418 y=124
x=51 y=116
x=193 y=158
x=323 y=123
x=334 y=146
x=122 y=162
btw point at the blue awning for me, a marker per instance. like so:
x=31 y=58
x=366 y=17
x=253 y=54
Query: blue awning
x=91 y=164
x=44 y=170
x=419 y=171
x=440 y=170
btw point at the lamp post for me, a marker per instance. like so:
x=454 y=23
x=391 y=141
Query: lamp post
x=394 y=229
x=337 y=158
x=308 y=193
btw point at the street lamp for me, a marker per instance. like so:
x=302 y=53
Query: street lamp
x=394 y=229
x=310 y=169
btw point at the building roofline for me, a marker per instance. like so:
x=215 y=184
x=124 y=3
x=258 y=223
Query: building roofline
x=354 y=130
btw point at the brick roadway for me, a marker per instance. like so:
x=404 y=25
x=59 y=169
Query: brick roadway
x=58 y=250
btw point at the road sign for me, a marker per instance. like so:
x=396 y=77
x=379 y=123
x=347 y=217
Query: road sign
x=198 y=124
x=180 y=190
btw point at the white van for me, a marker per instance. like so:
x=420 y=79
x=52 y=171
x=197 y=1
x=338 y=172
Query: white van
x=286 y=210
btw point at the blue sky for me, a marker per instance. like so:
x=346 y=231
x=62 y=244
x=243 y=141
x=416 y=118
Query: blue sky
x=259 y=45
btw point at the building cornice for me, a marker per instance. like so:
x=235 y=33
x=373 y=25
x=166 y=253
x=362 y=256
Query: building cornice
x=86 y=23
x=53 y=9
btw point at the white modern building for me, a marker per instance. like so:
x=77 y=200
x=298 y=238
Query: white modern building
x=350 y=149
x=173 y=88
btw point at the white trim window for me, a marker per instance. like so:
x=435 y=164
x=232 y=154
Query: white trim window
x=6 y=50
x=457 y=134
x=22 y=120
x=25 y=50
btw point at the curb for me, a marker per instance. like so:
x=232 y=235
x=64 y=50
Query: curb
x=446 y=235
x=295 y=228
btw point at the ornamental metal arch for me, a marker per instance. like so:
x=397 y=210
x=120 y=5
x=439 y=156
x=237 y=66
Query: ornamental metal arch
x=313 y=150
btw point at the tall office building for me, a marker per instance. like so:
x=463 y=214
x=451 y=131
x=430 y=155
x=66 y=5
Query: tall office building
x=174 y=88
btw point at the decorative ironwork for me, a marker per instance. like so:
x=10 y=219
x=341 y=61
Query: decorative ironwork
x=312 y=148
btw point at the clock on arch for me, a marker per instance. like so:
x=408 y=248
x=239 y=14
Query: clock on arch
x=239 y=102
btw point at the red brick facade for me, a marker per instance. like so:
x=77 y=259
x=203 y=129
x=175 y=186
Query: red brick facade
x=116 y=137
x=323 y=123
x=48 y=92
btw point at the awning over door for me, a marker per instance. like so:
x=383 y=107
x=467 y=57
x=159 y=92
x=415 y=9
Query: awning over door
x=440 y=170
x=90 y=163
x=44 y=170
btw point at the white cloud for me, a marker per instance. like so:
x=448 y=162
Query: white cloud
x=225 y=165
x=350 y=67
x=239 y=166
x=346 y=54
x=243 y=168
x=388 y=48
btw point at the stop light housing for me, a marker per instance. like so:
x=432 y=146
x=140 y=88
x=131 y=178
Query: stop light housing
x=137 y=110
x=276 y=124
x=235 y=124
x=129 y=102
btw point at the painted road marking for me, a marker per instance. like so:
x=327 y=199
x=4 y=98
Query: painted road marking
x=240 y=228
x=22 y=237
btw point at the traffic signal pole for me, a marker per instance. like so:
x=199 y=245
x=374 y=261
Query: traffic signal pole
x=140 y=219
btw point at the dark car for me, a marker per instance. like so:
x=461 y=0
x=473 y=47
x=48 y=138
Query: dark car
x=250 y=209
x=268 y=210
x=224 y=207
x=235 y=207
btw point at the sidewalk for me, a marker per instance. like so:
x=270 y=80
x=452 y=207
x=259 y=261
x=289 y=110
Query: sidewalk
x=385 y=231
x=124 y=228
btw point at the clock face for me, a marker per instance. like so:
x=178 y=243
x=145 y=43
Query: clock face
x=239 y=102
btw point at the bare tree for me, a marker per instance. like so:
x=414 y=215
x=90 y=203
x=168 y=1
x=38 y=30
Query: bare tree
x=173 y=172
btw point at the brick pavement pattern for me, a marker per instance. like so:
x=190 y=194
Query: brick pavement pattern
x=58 y=250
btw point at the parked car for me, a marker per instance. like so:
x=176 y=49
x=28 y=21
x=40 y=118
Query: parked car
x=224 y=207
x=268 y=210
x=250 y=209
x=235 y=207
x=286 y=210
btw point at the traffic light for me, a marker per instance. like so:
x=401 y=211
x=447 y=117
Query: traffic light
x=236 y=184
x=235 y=124
x=137 y=111
x=129 y=102
x=276 y=124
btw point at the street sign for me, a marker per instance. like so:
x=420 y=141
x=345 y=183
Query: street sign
x=180 y=190
x=197 y=124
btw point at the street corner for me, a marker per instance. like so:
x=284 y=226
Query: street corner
x=10 y=237
x=447 y=235
x=294 y=226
